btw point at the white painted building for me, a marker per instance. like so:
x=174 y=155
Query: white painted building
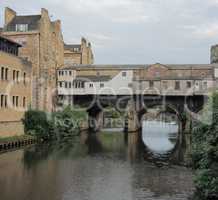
x=71 y=84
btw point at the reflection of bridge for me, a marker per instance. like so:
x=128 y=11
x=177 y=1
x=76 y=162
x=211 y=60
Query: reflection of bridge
x=177 y=88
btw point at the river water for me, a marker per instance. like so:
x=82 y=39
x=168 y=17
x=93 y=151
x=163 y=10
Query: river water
x=109 y=165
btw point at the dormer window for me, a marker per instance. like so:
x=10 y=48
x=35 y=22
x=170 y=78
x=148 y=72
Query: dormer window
x=21 y=27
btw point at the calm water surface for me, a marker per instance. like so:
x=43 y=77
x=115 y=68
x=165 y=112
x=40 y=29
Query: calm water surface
x=105 y=166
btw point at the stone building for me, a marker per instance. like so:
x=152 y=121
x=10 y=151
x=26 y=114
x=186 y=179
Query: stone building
x=78 y=80
x=42 y=44
x=156 y=79
x=78 y=53
x=15 y=88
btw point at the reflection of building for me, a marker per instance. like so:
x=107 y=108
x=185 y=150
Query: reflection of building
x=78 y=53
x=42 y=44
x=15 y=88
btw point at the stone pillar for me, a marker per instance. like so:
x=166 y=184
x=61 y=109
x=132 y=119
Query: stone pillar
x=96 y=121
x=132 y=121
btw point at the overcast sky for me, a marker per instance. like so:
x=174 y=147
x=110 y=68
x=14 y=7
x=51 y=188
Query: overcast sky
x=134 y=31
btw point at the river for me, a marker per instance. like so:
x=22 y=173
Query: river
x=109 y=165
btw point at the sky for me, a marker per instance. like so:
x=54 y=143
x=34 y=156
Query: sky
x=134 y=31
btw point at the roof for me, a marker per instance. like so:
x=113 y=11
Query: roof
x=71 y=47
x=5 y=39
x=94 y=78
x=132 y=67
x=31 y=20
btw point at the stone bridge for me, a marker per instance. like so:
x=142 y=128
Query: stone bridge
x=178 y=89
x=136 y=106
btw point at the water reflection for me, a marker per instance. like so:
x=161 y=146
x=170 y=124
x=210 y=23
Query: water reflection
x=101 y=166
x=160 y=137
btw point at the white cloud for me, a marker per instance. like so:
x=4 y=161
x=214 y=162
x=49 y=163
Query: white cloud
x=207 y=31
x=153 y=28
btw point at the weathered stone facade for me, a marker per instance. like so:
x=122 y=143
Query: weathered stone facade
x=43 y=45
x=15 y=88
x=78 y=53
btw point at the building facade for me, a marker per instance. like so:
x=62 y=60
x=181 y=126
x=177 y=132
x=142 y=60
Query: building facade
x=78 y=54
x=15 y=88
x=156 y=79
x=42 y=44
x=88 y=81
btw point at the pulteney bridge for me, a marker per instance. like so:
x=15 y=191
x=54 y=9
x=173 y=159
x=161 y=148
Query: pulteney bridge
x=177 y=89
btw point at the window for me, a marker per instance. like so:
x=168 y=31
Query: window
x=70 y=85
x=177 y=85
x=14 y=75
x=101 y=85
x=83 y=85
x=13 y=100
x=60 y=84
x=151 y=84
x=24 y=102
x=17 y=76
x=17 y=101
x=6 y=101
x=65 y=84
x=123 y=74
x=2 y=73
x=165 y=85
x=21 y=27
x=6 y=74
x=188 y=84
x=2 y=101
x=91 y=85
x=205 y=85
x=130 y=85
x=157 y=74
x=24 y=78
x=70 y=73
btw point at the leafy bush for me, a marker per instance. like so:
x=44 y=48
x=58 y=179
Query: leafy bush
x=56 y=125
x=36 y=123
x=205 y=155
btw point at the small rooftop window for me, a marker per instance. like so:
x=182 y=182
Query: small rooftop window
x=21 y=27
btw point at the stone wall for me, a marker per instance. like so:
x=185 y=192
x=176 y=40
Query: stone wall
x=11 y=128
x=11 y=114
x=44 y=48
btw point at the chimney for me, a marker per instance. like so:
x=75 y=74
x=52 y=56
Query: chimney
x=214 y=54
x=9 y=15
x=83 y=41
x=44 y=12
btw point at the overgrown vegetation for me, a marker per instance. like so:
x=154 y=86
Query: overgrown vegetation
x=56 y=125
x=205 y=153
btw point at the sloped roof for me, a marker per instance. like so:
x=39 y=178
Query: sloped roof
x=5 y=39
x=93 y=78
x=31 y=20
x=140 y=66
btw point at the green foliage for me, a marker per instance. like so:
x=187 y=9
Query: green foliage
x=205 y=154
x=56 y=125
x=66 y=122
x=36 y=123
